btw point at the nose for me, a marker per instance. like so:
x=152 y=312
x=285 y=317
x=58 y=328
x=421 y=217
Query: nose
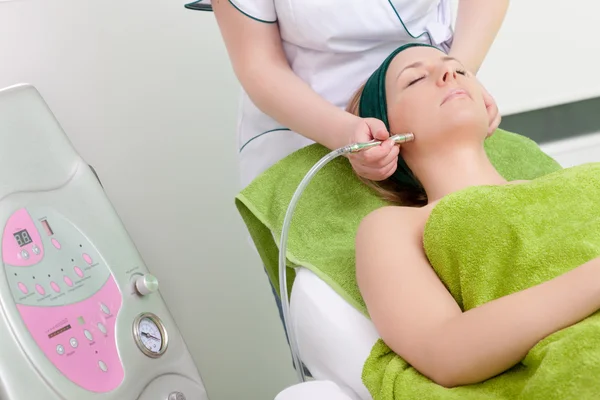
x=447 y=74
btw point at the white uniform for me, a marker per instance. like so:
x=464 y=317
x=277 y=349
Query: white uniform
x=333 y=45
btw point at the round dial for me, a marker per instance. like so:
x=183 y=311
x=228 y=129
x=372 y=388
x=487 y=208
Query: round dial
x=150 y=335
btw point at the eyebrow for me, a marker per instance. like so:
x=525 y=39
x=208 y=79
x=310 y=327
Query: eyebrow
x=420 y=63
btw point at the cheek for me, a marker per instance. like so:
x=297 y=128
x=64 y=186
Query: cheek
x=477 y=93
x=415 y=115
x=466 y=115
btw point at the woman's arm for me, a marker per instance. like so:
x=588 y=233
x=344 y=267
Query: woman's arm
x=258 y=60
x=420 y=321
x=477 y=24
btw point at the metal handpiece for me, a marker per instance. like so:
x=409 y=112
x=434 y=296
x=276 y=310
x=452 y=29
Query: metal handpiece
x=399 y=138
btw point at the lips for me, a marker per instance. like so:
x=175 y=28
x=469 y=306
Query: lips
x=455 y=93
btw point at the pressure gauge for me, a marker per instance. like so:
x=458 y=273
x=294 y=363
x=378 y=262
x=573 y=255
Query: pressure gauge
x=150 y=335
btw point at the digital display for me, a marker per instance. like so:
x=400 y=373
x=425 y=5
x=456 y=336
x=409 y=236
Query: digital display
x=59 y=331
x=22 y=237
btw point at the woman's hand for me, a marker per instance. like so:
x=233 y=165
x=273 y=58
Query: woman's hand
x=376 y=163
x=477 y=24
x=492 y=109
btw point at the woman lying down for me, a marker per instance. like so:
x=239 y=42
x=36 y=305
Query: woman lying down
x=476 y=283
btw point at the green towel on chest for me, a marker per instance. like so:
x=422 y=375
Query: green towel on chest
x=490 y=241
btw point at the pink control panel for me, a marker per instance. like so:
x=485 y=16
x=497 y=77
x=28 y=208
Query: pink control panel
x=67 y=298
x=79 y=338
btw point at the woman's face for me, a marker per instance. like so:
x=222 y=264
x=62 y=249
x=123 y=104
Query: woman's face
x=432 y=96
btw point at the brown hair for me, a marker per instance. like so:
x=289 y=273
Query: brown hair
x=388 y=189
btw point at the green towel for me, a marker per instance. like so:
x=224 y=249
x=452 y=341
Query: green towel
x=321 y=236
x=490 y=241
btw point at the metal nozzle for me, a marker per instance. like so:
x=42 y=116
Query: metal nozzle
x=403 y=137
x=399 y=138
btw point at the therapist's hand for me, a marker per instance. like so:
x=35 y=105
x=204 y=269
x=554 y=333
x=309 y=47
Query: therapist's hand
x=376 y=163
x=492 y=110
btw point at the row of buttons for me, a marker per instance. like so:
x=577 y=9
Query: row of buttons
x=74 y=343
x=40 y=289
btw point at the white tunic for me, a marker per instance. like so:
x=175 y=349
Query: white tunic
x=333 y=45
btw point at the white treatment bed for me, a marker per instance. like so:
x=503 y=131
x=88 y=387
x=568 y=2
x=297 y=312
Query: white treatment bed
x=334 y=340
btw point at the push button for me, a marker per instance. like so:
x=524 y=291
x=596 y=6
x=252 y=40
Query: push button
x=55 y=243
x=23 y=288
x=102 y=328
x=88 y=335
x=40 y=289
x=68 y=281
x=24 y=254
x=60 y=349
x=73 y=342
x=35 y=249
x=105 y=309
x=102 y=366
x=55 y=287
x=78 y=271
x=87 y=258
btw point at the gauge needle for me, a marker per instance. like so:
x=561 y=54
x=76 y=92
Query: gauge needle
x=149 y=336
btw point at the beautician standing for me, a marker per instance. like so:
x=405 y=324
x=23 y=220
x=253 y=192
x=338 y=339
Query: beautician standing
x=299 y=62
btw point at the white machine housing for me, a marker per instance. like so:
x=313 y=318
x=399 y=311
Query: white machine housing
x=80 y=315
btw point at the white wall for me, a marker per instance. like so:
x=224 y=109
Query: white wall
x=575 y=151
x=145 y=92
x=545 y=54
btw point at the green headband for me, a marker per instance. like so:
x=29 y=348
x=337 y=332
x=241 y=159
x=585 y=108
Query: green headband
x=373 y=104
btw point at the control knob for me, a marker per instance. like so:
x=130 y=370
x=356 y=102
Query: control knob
x=146 y=284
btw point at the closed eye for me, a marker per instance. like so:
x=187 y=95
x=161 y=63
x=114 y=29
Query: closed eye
x=415 y=81
x=461 y=72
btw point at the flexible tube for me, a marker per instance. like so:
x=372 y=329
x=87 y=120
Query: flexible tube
x=283 y=289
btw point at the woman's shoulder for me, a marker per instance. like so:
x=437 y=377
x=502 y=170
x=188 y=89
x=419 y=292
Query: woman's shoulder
x=396 y=220
x=390 y=235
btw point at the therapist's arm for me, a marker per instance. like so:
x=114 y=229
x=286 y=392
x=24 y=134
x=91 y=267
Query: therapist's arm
x=477 y=24
x=259 y=62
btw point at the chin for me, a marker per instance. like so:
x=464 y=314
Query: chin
x=466 y=120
